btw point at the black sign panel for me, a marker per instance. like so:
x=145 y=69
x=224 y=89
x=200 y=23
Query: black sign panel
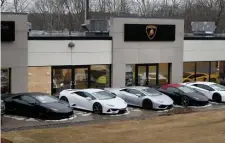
x=149 y=32
x=7 y=31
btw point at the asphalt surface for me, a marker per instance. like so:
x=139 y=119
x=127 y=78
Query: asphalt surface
x=11 y=123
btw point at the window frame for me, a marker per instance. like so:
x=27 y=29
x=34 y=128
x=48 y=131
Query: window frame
x=9 y=78
x=86 y=94
x=210 y=88
x=178 y=91
x=36 y=101
x=128 y=91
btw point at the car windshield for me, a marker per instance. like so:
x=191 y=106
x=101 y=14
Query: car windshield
x=186 y=89
x=103 y=95
x=185 y=75
x=46 y=99
x=151 y=91
x=218 y=87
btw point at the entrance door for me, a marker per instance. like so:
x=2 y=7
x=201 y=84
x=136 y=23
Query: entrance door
x=153 y=75
x=70 y=77
x=81 y=77
x=141 y=75
x=147 y=74
x=61 y=79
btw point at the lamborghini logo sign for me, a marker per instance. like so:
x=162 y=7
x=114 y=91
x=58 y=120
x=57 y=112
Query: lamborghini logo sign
x=151 y=31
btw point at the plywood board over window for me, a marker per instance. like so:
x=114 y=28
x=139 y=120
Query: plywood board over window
x=39 y=79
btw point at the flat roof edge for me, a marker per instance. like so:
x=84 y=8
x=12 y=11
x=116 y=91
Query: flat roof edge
x=13 y=13
x=67 y=38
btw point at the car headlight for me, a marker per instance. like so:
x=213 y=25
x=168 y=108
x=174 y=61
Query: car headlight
x=110 y=105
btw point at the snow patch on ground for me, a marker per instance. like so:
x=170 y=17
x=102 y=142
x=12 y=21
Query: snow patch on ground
x=31 y=119
x=178 y=106
x=208 y=105
x=66 y=119
x=86 y=114
x=215 y=103
x=15 y=117
x=136 y=110
x=165 y=110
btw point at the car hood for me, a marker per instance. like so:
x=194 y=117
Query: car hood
x=57 y=107
x=160 y=98
x=114 y=103
x=197 y=96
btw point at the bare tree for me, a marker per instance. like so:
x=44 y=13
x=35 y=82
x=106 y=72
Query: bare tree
x=3 y=4
x=20 y=5
x=212 y=10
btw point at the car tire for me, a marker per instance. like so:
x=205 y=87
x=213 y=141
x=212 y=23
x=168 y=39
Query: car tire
x=147 y=104
x=97 y=108
x=64 y=99
x=217 y=98
x=184 y=101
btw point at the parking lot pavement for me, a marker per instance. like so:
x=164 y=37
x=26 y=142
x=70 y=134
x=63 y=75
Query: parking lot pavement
x=16 y=122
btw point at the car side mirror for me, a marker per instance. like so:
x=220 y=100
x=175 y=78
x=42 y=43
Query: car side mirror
x=88 y=98
x=138 y=95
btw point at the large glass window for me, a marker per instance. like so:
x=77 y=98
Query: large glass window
x=202 y=71
x=214 y=75
x=205 y=71
x=163 y=73
x=189 y=72
x=100 y=76
x=5 y=80
x=62 y=79
x=147 y=74
x=130 y=75
x=221 y=66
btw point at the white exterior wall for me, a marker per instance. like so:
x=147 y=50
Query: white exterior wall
x=204 y=50
x=55 y=52
x=145 y=52
x=14 y=54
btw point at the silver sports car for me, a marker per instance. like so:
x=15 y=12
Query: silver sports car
x=148 y=98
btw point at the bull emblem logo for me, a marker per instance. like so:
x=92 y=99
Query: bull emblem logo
x=151 y=31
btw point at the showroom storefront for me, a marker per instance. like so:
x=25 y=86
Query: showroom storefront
x=139 y=52
x=14 y=53
x=54 y=66
x=57 y=63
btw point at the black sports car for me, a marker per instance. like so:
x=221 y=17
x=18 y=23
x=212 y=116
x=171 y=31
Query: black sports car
x=37 y=105
x=183 y=95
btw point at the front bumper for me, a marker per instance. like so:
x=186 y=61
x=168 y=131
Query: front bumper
x=58 y=116
x=162 y=106
x=115 y=110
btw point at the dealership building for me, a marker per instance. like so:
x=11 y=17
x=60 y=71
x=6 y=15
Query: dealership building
x=137 y=51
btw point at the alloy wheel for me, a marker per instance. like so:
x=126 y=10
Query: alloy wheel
x=185 y=101
x=97 y=108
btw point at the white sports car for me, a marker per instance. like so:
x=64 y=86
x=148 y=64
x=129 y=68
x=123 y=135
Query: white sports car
x=213 y=91
x=95 y=100
x=148 y=98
